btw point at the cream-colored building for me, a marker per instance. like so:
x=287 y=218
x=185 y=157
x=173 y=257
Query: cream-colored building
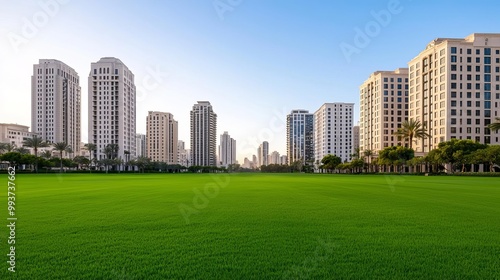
x=183 y=154
x=56 y=103
x=274 y=158
x=383 y=107
x=455 y=89
x=162 y=137
x=111 y=107
x=14 y=134
x=333 y=130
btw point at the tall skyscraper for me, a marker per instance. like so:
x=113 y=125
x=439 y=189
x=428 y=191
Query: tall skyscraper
x=333 y=130
x=203 y=134
x=112 y=110
x=454 y=89
x=300 y=136
x=263 y=152
x=140 y=145
x=162 y=137
x=227 y=150
x=56 y=103
x=383 y=107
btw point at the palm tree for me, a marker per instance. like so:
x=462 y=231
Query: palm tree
x=22 y=150
x=111 y=152
x=46 y=154
x=496 y=125
x=61 y=147
x=35 y=142
x=90 y=147
x=411 y=129
x=127 y=158
x=368 y=153
x=8 y=147
x=3 y=147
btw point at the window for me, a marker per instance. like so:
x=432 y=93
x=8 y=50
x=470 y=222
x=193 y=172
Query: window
x=469 y=51
x=453 y=94
x=453 y=67
x=453 y=103
x=453 y=49
x=453 y=58
x=487 y=60
x=453 y=112
x=487 y=69
x=453 y=121
x=487 y=51
x=478 y=60
x=478 y=51
x=453 y=129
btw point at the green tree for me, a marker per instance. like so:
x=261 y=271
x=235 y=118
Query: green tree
x=489 y=155
x=457 y=152
x=396 y=156
x=61 y=147
x=35 y=142
x=410 y=130
x=330 y=162
x=46 y=154
x=81 y=161
x=496 y=125
x=91 y=147
x=22 y=150
x=13 y=158
x=368 y=154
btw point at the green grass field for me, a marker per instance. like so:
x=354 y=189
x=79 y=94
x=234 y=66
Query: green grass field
x=254 y=226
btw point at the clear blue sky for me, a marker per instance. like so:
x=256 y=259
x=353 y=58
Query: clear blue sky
x=253 y=60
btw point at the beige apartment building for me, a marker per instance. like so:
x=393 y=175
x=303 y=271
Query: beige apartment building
x=14 y=134
x=383 y=107
x=162 y=137
x=111 y=107
x=455 y=89
x=56 y=103
x=203 y=135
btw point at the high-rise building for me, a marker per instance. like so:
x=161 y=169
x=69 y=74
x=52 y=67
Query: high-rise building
x=140 y=145
x=263 y=152
x=274 y=158
x=162 y=137
x=454 y=89
x=112 y=111
x=355 y=139
x=203 y=134
x=183 y=156
x=247 y=163
x=383 y=107
x=56 y=103
x=227 y=150
x=255 y=161
x=333 y=130
x=284 y=160
x=300 y=136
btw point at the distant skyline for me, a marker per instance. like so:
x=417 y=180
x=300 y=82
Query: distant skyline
x=255 y=61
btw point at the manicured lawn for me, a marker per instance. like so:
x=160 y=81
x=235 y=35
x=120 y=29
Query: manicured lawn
x=254 y=226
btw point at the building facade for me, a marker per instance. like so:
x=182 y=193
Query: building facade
x=455 y=89
x=333 y=130
x=300 y=136
x=274 y=158
x=162 y=137
x=140 y=145
x=262 y=153
x=112 y=107
x=227 y=150
x=183 y=156
x=203 y=134
x=383 y=108
x=355 y=139
x=14 y=134
x=56 y=103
